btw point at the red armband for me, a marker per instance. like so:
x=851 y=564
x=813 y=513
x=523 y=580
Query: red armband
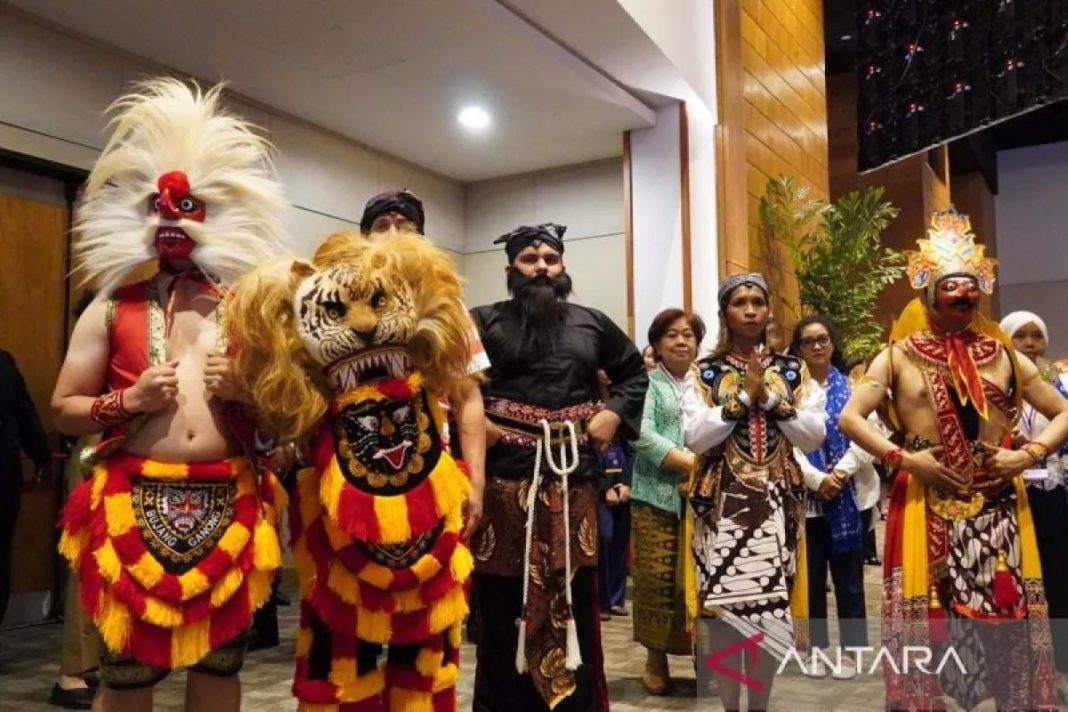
x=1036 y=450
x=108 y=409
x=892 y=460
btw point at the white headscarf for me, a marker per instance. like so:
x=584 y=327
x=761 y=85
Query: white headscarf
x=1012 y=322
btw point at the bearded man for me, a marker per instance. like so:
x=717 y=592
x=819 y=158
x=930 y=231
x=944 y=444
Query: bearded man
x=536 y=551
x=174 y=536
x=961 y=566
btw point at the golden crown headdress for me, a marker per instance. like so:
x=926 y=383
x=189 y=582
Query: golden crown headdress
x=949 y=249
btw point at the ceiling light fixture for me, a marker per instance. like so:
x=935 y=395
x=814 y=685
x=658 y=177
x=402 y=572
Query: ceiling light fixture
x=846 y=38
x=474 y=118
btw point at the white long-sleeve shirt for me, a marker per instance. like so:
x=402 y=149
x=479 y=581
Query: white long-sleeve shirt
x=1032 y=423
x=704 y=426
x=856 y=464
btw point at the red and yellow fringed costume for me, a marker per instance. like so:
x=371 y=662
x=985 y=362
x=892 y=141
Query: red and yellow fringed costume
x=172 y=558
x=379 y=555
x=351 y=352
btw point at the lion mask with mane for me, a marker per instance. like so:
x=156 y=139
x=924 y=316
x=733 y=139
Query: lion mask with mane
x=360 y=311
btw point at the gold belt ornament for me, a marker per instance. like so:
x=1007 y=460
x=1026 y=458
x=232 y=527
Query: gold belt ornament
x=520 y=423
x=951 y=507
x=948 y=505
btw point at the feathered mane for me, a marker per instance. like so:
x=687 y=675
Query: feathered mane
x=167 y=125
x=271 y=363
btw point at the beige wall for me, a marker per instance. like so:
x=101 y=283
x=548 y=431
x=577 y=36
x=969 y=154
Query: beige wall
x=1032 y=231
x=56 y=86
x=588 y=199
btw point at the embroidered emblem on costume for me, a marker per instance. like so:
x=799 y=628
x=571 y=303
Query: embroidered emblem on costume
x=387 y=447
x=180 y=522
x=400 y=556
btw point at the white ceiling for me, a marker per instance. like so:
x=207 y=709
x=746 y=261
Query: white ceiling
x=389 y=73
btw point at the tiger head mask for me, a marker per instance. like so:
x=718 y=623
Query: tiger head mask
x=355 y=322
x=360 y=312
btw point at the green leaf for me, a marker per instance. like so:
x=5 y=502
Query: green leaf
x=842 y=266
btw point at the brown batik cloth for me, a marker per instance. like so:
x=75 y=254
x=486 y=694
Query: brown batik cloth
x=1007 y=656
x=659 y=598
x=498 y=548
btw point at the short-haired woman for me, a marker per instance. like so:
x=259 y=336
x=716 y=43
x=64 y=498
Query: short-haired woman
x=657 y=509
x=842 y=485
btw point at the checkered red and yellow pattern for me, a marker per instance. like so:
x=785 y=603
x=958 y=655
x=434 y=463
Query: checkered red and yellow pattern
x=395 y=519
x=359 y=599
x=159 y=618
x=354 y=595
x=428 y=687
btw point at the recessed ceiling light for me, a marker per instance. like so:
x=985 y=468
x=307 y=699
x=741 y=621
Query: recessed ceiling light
x=474 y=117
x=846 y=38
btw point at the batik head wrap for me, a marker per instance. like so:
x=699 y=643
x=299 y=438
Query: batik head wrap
x=401 y=201
x=752 y=279
x=524 y=236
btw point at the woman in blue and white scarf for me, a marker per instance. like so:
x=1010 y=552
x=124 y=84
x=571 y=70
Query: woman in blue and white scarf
x=834 y=528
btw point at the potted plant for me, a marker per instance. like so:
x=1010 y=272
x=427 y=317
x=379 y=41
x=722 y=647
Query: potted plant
x=840 y=261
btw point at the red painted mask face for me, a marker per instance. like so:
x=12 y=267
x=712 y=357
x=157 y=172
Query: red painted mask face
x=174 y=203
x=955 y=302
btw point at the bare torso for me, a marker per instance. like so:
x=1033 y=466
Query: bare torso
x=193 y=429
x=916 y=412
x=901 y=371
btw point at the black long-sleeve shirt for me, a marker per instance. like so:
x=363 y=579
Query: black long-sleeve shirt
x=566 y=376
x=20 y=427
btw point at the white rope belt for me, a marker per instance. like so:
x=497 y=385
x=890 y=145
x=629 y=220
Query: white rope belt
x=562 y=469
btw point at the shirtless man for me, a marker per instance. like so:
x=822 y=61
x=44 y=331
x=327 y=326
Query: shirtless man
x=173 y=538
x=959 y=540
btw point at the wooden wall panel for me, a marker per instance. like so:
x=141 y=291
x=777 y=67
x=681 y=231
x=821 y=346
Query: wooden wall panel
x=684 y=217
x=628 y=231
x=33 y=243
x=785 y=123
x=731 y=195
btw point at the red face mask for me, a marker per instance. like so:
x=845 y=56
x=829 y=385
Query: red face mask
x=174 y=202
x=955 y=301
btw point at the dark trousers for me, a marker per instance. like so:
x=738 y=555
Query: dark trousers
x=1049 y=510
x=847 y=573
x=614 y=532
x=498 y=687
x=471 y=625
x=10 y=499
x=264 y=633
x=871 y=551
